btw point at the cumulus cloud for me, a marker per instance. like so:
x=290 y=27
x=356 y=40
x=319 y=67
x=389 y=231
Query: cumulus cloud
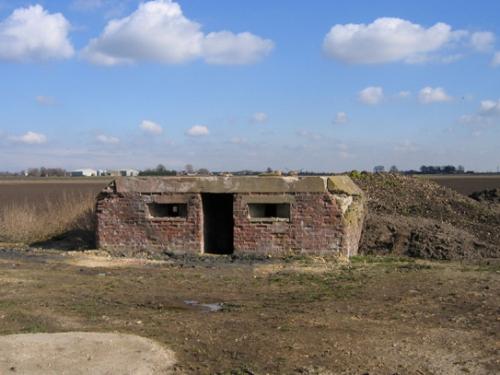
x=496 y=59
x=151 y=127
x=487 y=114
x=107 y=139
x=259 y=118
x=197 y=131
x=371 y=95
x=159 y=32
x=30 y=138
x=490 y=108
x=482 y=41
x=433 y=95
x=227 y=48
x=341 y=118
x=389 y=39
x=32 y=33
x=45 y=100
x=385 y=40
x=404 y=94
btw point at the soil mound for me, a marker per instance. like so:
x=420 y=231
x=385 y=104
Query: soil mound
x=83 y=353
x=487 y=196
x=417 y=217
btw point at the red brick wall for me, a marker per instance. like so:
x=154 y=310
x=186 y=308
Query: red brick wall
x=314 y=227
x=124 y=228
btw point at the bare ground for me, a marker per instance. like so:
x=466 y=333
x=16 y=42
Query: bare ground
x=82 y=353
x=301 y=315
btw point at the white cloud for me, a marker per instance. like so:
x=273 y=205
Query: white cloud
x=433 y=95
x=45 y=100
x=371 y=95
x=389 y=39
x=30 y=138
x=404 y=94
x=482 y=41
x=260 y=118
x=341 y=118
x=151 y=127
x=489 y=108
x=197 y=131
x=227 y=48
x=469 y=119
x=487 y=114
x=386 y=40
x=496 y=59
x=159 y=32
x=107 y=139
x=32 y=33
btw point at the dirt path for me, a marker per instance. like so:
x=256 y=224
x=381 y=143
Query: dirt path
x=75 y=353
x=244 y=316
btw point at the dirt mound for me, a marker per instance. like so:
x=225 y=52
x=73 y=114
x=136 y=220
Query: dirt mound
x=416 y=217
x=487 y=196
x=83 y=353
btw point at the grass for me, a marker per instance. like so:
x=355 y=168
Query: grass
x=25 y=222
x=380 y=259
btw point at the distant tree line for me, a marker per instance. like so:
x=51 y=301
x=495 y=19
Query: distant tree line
x=189 y=170
x=160 y=170
x=46 y=172
x=38 y=172
x=446 y=169
x=424 y=169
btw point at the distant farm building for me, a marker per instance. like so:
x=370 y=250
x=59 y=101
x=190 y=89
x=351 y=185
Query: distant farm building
x=224 y=215
x=83 y=173
x=123 y=173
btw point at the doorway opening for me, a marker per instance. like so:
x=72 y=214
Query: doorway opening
x=218 y=224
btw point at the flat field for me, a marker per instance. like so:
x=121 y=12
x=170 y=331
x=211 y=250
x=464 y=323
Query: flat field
x=39 y=190
x=37 y=210
x=466 y=184
x=224 y=315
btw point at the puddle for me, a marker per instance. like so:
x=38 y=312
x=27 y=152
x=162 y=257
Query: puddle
x=206 y=307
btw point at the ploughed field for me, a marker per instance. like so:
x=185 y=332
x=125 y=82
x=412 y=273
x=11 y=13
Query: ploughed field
x=37 y=191
x=466 y=184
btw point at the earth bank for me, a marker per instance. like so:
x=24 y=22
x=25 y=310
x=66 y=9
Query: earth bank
x=419 y=218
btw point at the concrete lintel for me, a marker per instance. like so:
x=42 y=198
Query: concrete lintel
x=216 y=184
x=172 y=198
x=343 y=185
x=275 y=198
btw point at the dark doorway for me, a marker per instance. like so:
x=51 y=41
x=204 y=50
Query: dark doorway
x=218 y=223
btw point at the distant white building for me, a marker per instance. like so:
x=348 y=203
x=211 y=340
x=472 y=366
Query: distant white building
x=83 y=173
x=123 y=173
x=129 y=172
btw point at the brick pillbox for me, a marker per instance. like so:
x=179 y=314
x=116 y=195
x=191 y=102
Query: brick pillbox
x=274 y=215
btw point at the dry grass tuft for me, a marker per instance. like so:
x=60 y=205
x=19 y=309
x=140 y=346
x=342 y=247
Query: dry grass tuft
x=23 y=222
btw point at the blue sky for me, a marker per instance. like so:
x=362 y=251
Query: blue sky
x=232 y=85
